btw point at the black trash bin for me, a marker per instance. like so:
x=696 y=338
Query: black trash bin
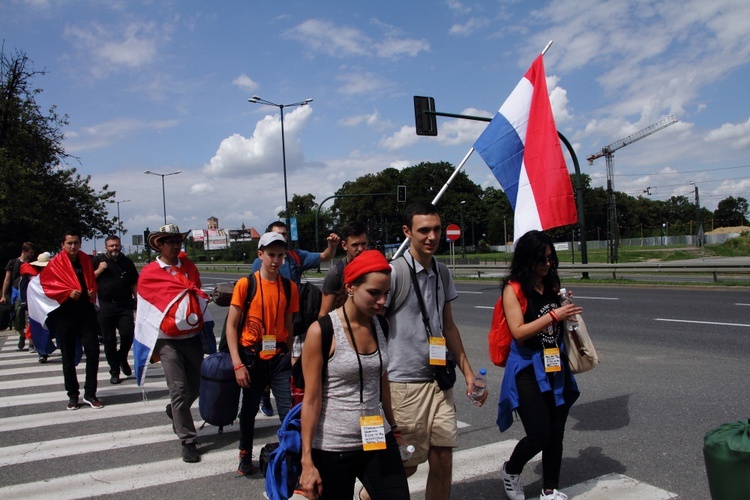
x=726 y=451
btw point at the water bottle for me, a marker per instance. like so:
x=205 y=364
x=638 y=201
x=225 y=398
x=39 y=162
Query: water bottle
x=567 y=298
x=479 y=387
x=406 y=450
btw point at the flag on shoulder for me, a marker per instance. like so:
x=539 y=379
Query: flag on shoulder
x=521 y=147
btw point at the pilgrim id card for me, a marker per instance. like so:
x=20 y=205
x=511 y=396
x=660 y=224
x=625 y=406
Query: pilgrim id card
x=552 y=361
x=373 y=432
x=269 y=344
x=437 y=351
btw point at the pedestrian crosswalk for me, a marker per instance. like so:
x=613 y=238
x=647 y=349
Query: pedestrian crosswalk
x=128 y=448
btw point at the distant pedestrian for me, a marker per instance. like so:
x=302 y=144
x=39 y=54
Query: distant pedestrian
x=28 y=271
x=537 y=383
x=170 y=319
x=117 y=280
x=10 y=293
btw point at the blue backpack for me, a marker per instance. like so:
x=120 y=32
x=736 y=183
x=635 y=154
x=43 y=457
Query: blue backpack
x=284 y=466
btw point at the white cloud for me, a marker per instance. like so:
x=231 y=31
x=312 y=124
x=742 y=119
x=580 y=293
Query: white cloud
x=373 y=120
x=736 y=136
x=107 y=49
x=342 y=41
x=404 y=137
x=469 y=27
x=261 y=153
x=362 y=83
x=245 y=83
x=111 y=132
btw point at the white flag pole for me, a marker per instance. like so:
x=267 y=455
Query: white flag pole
x=405 y=243
x=437 y=197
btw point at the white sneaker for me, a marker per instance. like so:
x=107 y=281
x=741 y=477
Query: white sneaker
x=512 y=485
x=555 y=495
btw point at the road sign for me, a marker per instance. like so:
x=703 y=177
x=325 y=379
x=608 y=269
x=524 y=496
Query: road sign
x=453 y=232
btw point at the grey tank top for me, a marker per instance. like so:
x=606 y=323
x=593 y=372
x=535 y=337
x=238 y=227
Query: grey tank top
x=338 y=425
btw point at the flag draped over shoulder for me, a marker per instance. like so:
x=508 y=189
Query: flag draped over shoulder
x=158 y=291
x=52 y=287
x=521 y=147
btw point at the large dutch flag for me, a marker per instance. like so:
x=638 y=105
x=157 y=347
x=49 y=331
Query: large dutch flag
x=157 y=293
x=521 y=147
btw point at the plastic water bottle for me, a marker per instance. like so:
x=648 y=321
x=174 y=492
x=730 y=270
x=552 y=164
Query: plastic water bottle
x=406 y=450
x=479 y=387
x=566 y=298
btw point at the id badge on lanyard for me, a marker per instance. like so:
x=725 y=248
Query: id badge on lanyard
x=552 y=362
x=373 y=432
x=269 y=345
x=437 y=351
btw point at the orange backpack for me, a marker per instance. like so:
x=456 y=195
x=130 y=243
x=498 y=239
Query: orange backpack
x=500 y=337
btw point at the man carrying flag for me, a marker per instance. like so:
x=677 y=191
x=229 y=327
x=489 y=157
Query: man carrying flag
x=169 y=323
x=63 y=298
x=521 y=147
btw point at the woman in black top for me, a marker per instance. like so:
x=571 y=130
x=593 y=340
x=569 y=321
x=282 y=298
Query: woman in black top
x=537 y=382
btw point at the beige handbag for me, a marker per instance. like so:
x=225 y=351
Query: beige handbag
x=582 y=356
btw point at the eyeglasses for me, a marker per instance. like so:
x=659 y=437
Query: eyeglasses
x=172 y=242
x=546 y=260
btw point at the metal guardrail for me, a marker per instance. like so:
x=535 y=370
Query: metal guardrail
x=655 y=269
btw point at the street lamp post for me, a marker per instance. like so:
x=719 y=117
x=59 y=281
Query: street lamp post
x=259 y=100
x=119 y=221
x=163 y=192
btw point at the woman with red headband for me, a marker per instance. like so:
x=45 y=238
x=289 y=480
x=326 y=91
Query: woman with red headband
x=347 y=419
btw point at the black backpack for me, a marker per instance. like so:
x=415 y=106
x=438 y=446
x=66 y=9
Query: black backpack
x=310 y=299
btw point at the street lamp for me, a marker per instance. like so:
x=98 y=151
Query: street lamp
x=119 y=221
x=463 y=244
x=259 y=100
x=163 y=193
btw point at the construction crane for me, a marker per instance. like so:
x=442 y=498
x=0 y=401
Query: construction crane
x=613 y=233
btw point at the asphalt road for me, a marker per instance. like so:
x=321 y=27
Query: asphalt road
x=673 y=366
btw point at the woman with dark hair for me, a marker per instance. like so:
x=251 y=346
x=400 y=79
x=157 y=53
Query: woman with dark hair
x=537 y=382
x=347 y=421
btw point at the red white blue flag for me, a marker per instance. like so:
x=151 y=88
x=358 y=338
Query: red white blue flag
x=521 y=147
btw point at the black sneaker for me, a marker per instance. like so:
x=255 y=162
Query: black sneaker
x=246 y=467
x=190 y=453
x=125 y=367
x=43 y=358
x=115 y=379
x=21 y=342
x=73 y=403
x=93 y=402
x=265 y=405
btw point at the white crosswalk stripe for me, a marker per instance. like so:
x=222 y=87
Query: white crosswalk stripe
x=43 y=447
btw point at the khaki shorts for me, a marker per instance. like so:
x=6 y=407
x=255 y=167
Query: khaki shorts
x=426 y=416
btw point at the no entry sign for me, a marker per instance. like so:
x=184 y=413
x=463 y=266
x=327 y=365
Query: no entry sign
x=453 y=232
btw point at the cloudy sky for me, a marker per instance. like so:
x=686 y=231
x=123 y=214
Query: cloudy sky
x=164 y=86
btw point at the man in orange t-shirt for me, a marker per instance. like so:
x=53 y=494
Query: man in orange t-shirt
x=260 y=349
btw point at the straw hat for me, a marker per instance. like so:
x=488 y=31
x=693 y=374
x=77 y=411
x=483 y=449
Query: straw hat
x=42 y=260
x=163 y=232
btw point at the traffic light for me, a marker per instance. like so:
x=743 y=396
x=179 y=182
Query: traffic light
x=426 y=122
x=401 y=194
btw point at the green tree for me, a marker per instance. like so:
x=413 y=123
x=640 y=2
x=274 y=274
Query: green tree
x=39 y=195
x=731 y=211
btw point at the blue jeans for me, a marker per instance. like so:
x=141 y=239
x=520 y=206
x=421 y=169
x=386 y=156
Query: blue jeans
x=276 y=373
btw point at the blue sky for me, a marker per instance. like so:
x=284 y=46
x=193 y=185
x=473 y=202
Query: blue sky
x=163 y=86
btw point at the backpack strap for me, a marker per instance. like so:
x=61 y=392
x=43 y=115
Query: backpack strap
x=252 y=287
x=326 y=340
x=287 y=284
x=403 y=281
x=383 y=325
x=403 y=284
